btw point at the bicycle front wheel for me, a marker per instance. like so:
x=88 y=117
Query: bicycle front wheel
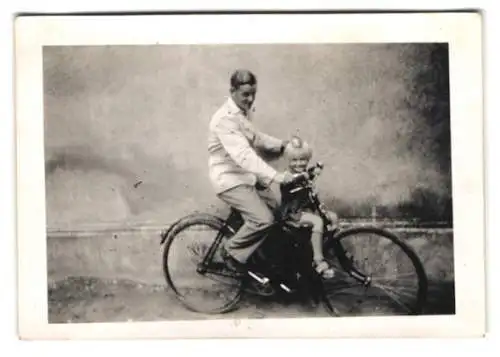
x=377 y=274
x=204 y=288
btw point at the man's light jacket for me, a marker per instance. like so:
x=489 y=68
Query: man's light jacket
x=232 y=144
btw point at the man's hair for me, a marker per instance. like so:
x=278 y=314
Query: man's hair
x=241 y=77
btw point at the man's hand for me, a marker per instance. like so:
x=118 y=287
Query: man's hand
x=284 y=178
x=284 y=146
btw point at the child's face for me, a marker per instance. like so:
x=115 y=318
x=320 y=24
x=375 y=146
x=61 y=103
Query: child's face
x=298 y=164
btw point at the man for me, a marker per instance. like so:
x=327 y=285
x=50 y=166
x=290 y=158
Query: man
x=240 y=177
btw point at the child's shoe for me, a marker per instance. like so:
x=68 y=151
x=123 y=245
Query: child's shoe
x=323 y=269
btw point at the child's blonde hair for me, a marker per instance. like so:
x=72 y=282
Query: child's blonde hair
x=298 y=148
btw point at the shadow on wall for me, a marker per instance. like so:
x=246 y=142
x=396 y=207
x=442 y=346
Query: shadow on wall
x=424 y=206
x=85 y=187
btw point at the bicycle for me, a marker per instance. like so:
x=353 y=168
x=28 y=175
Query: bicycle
x=282 y=265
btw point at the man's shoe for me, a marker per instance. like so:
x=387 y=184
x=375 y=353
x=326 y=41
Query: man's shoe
x=232 y=264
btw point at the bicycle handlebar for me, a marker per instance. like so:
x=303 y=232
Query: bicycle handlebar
x=309 y=174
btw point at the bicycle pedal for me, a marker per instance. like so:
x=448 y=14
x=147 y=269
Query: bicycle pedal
x=261 y=279
x=285 y=288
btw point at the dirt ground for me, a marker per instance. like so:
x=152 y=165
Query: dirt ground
x=80 y=300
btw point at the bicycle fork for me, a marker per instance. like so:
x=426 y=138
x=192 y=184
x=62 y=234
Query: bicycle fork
x=346 y=262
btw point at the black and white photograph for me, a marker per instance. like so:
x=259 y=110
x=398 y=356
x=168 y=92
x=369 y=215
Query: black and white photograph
x=204 y=181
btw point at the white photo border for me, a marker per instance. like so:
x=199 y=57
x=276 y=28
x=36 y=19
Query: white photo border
x=463 y=33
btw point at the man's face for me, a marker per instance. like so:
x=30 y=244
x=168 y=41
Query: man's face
x=244 y=96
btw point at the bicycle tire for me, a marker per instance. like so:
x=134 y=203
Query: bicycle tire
x=421 y=294
x=217 y=224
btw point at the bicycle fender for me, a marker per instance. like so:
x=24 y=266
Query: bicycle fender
x=165 y=233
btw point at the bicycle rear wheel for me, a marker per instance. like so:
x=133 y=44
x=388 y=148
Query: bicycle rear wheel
x=206 y=289
x=377 y=274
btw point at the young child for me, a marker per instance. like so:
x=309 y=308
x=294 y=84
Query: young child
x=295 y=205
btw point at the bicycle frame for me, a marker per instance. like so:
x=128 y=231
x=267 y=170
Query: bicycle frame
x=283 y=264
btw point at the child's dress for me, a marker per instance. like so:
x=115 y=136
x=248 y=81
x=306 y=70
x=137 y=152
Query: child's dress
x=294 y=203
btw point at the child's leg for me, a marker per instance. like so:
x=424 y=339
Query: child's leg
x=316 y=242
x=334 y=218
x=317 y=232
